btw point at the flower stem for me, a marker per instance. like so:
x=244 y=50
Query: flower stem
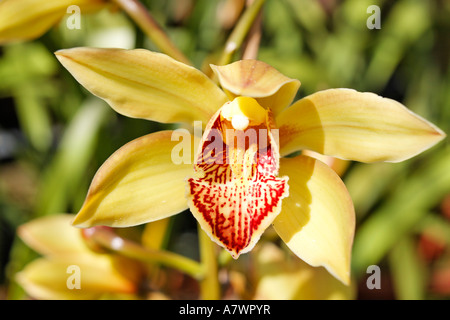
x=107 y=239
x=251 y=46
x=241 y=30
x=142 y=17
x=209 y=285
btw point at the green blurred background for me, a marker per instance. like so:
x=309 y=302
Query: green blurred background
x=54 y=135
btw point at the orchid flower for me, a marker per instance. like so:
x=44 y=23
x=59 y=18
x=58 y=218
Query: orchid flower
x=28 y=19
x=237 y=190
x=68 y=268
x=281 y=278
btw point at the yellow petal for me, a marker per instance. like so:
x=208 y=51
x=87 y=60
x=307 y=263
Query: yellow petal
x=357 y=126
x=318 y=220
x=259 y=80
x=143 y=84
x=53 y=235
x=283 y=278
x=29 y=19
x=139 y=183
x=79 y=276
x=338 y=165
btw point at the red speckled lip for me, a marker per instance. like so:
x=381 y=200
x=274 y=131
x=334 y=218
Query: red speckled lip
x=237 y=194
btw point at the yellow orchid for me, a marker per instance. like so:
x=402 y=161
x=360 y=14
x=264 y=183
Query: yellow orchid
x=281 y=278
x=234 y=189
x=69 y=269
x=28 y=19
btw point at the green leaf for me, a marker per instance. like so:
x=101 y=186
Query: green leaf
x=407 y=270
x=69 y=165
x=401 y=212
x=368 y=183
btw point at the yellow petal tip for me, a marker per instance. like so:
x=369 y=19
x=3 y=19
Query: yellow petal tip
x=80 y=223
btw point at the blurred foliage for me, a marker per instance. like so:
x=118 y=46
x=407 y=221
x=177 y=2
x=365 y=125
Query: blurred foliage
x=54 y=135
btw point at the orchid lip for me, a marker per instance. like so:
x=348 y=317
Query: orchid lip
x=236 y=193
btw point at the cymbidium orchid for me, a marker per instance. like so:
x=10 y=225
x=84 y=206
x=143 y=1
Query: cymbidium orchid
x=68 y=268
x=28 y=19
x=279 y=278
x=236 y=190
